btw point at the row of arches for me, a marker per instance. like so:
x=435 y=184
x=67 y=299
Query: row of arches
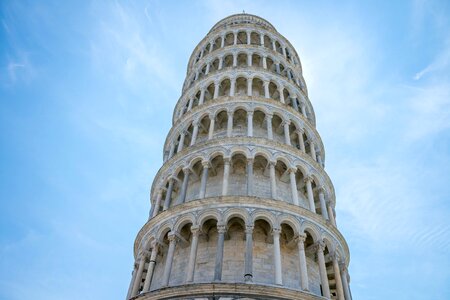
x=243 y=175
x=241 y=59
x=244 y=84
x=247 y=37
x=242 y=121
x=242 y=246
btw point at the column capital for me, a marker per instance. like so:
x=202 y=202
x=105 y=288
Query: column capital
x=301 y=238
x=227 y=160
x=221 y=228
x=144 y=254
x=300 y=131
x=269 y=116
x=172 y=237
x=186 y=170
x=292 y=170
x=272 y=163
x=195 y=123
x=206 y=164
x=343 y=267
x=286 y=122
x=276 y=232
x=195 y=230
x=308 y=178
x=250 y=113
x=249 y=229
x=319 y=246
x=250 y=161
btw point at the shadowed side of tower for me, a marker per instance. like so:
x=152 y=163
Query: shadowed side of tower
x=242 y=207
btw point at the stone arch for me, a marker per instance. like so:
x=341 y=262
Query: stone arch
x=236 y=212
x=266 y=216
x=182 y=221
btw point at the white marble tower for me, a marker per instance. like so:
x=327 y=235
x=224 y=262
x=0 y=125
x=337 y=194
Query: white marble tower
x=242 y=207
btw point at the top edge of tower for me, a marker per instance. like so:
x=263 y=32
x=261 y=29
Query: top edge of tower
x=242 y=18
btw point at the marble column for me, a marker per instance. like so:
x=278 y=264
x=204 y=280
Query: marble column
x=337 y=277
x=312 y=150
x=266 y=89
x=221 y=229
x=184 y=186
x=216 y=90
x=222 y=44
x=235 y=56
x=157 y=204
x=211 y=126
x=269 y=127
x=331 y=214
x=172 y=150
x=191 y=102
x=302 y=260
x=281 y=95
x=309 y=190
x=194 y=133
x=249 y=86
x=250 y=177
x=250 y=123
x=293 y=182
x=294 y=103
x=151 y=267
x=323 y=205
x=232 y=86
x=226 y=174
x=193 y=254
x=220 y=63
x=230 y=124
x=345 y=285
x=273 y=182
x=235 y=38
x=274 y=48
x=248 y=276
x=264 y=62
x=181 y=142
x=249 y=60
x=301 y=141
x=303 y=109
x=202 y=96
x=204 y=179
x=277 y=255
x=138 y=279
x=277 y=67
x=261 y=39
x=248 y=38
x=207 y=68
x=322 y=270
x=168 y=195
x=287 y=138
x=169 y=260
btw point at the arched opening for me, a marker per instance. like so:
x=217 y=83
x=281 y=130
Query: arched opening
x=194 y=181
x=214 y=65
x=285 y=95
x=283 y=70
x=259 y=124
x=301 y=188
x=229 y=39
x=312 y=266
x=263 y=266
x=270 y=64
x=217 y=43
x=202 y=72
x=241 y=86
x=224 y=87
x=220 y=127
x=242 y=38
x=282 y=181
x=261 y=181
x=196 y=99
x=161 y=260
x=242 y=60
x=233 y=268
x=277 y=129
x=215 y=177
x=240 y=123
x=209 y=92
x=257 y=87
x=267 y=42
x=278 y=47
x=256 y=60
x=207 y=49
x=328 y=252
x=228 y=61
x=273 y=91
x=206 y=252
x=289 y=257
x=203 y=129
x=188 y=136
x=238 y=176
x=254 y=38
x=182 y=249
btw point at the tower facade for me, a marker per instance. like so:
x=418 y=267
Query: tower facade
x=242 y=207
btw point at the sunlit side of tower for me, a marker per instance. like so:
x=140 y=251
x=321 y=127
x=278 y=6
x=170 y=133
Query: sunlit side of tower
x=242 y=206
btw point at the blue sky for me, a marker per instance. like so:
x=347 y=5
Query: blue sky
x=86 y=97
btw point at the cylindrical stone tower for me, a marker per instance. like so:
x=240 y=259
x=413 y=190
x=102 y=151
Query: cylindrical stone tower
x=242 y=206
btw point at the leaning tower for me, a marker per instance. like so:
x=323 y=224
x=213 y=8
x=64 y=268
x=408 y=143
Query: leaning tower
x=242 y=207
